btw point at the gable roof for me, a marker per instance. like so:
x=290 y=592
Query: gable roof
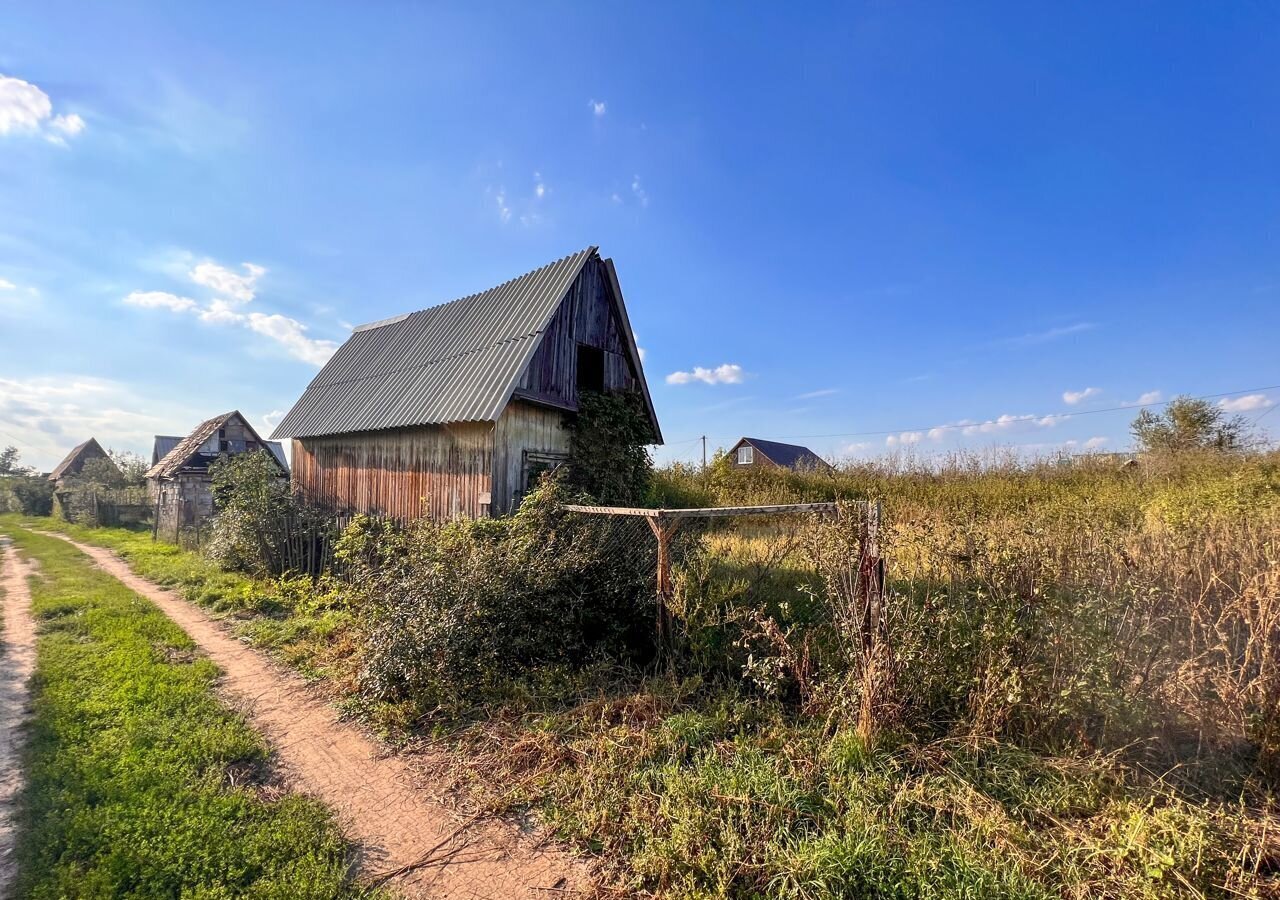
x=163 y=444
x=792 y=456
x=181 y=454
x=457 y=362
x=75 y=460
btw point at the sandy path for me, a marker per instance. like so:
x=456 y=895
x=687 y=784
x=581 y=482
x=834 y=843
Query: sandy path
x=383 y=804
x=17 y=662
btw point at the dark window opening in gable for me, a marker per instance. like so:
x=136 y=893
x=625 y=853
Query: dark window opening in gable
x=590 y=369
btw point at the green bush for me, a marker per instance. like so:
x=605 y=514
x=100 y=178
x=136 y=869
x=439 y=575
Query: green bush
x=454 y=612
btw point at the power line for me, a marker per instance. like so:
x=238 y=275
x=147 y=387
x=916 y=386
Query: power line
x=1028 y=418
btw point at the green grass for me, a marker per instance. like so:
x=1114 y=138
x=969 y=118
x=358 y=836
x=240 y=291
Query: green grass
x=281 y=617
x=140 y=783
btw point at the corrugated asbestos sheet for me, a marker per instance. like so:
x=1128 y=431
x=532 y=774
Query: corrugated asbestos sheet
x=457 y=362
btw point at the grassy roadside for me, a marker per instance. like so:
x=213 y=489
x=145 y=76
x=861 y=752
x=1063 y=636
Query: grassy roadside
x=288 y=618
x=140 y=783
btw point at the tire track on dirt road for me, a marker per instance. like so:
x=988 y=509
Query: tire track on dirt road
x=17 y=662
x=383 y=804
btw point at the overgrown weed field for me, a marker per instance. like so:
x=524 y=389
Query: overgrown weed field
x=1071 y=688
x=139 y=782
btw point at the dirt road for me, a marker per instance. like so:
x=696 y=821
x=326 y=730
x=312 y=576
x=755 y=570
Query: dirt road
x=17 y=662
x=383 y=804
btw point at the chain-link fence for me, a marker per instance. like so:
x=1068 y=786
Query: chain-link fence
x=760 y=570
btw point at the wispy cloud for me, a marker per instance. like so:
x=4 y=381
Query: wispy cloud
x=227 y=282
x=160 y=300
x=598 y=108
x=824 y=392
x=1043 y=337
x=48 y=415
x=539 y=186
x=1247 y=403
x=638 y=191
x=906 y=438
x=728 y=373
x=1005 y=423
x=1146 y=398
x=1072 y=398
x=233 y=291
x=25 y=109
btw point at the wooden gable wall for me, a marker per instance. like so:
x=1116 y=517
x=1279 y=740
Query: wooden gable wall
x=587 y=316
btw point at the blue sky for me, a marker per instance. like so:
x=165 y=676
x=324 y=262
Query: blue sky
x=859 y=222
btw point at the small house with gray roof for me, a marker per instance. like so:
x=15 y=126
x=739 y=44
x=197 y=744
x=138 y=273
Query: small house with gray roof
x=455 y=410
x=179 y=483
x=754 y=453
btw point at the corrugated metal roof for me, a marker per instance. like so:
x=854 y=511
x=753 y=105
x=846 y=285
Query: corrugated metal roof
x=457 y=362
x=277 y=450
x=163 y=444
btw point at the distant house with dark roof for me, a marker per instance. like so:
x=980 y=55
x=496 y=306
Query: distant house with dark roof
x=74 y=461
x=179 y=482
x=755 y=453
x=457 y=409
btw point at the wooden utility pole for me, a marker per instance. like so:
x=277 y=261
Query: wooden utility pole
x=704 y=451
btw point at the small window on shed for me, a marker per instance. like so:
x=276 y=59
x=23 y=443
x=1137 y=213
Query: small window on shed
x=590 y=369
x=746 y=455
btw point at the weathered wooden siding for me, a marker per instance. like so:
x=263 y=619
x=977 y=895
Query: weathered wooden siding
x=440 y=471
x=585 y=317
x=522 y=428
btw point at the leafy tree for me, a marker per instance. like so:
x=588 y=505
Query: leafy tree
x=100 y=472
x=9 y=463
x=608 y=453
x=1190 y=424
x=133 y=468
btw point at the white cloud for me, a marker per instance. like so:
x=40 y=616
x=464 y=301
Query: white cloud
x=1144 y=399
x=160 y=300
x=235 y=290
x=272 y=419
x=729 y=373
x=46 y=416
x=504 y=211
x=1095 y=442
x=220 y=312
x=228 y=283
x=24 y=108
x=1247 y=403
x=598 y=107
x=638 y=190
x=1006 y=422
x=539 y=186
x=69 y=125
x=856 y=447
x=291 y=334
x=906 y=438
x=812 y=395
x=7 y=285
x=1071 y=398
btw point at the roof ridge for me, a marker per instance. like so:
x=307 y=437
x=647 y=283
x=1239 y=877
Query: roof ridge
x=392 y=320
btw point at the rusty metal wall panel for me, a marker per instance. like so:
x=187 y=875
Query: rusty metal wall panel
x=439 y=471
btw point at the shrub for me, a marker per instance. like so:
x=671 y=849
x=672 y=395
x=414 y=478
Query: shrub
x=466 y=607
x=259 y=516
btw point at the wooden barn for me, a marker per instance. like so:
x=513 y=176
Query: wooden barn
x=179 y=483
x=754 y=453
x=456 y=409
x=73 y=463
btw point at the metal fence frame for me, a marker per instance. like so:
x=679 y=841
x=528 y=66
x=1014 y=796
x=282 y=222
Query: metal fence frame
x=665 y=522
